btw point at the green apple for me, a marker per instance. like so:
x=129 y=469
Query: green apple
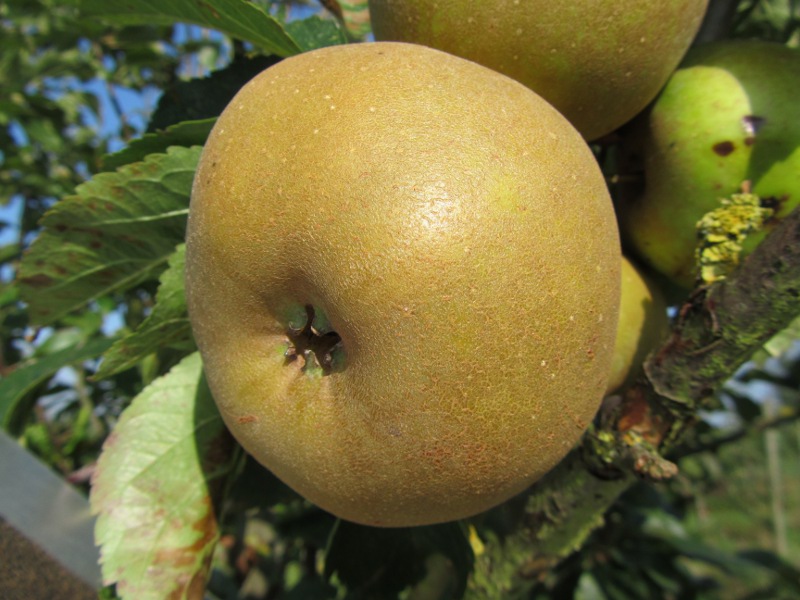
x=403 y=276
x=728 y=118
x=599 y=62
x=642 y=324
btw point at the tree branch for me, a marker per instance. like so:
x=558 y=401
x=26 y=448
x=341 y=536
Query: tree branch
x=718 y=328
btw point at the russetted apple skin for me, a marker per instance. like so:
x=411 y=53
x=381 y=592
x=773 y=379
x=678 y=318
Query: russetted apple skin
x=729 y=115
x=451 y=230
x=642 y=324
x=599 y=62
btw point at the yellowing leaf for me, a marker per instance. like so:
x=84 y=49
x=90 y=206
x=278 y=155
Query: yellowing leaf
x=158 y=486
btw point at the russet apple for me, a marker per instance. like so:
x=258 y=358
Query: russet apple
x=642 y=324
x=599 y=62
x=403 y=276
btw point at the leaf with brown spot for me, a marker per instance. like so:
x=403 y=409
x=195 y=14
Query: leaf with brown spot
x=158 y=487
x=139 y=212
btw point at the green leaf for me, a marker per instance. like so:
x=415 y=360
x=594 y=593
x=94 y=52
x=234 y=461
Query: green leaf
x=158 y=488
x=784 y=340
x=62 y=339
x=315 y=32
x=116 y=232
x=789 y=574
x=666 y=576
x=435 y=561
x=167 y=326
x=240 y=19
x=355 y=14
x=9 y=252
x=186 y=133
x=9 y=294
x=205 y=98
x=588 y=588
x=16 y=389
x=658 y=526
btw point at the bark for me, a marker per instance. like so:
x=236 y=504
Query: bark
x=717 y=329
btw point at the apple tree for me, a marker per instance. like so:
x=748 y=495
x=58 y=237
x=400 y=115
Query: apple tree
x=97 y=350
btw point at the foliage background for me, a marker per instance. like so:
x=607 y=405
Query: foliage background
x=103 y=112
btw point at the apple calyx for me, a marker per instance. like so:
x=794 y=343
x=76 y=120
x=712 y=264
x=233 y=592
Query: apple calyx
x=315 y=344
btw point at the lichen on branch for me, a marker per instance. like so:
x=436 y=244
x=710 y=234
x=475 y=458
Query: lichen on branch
x=721 y=326
x=723 y=231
